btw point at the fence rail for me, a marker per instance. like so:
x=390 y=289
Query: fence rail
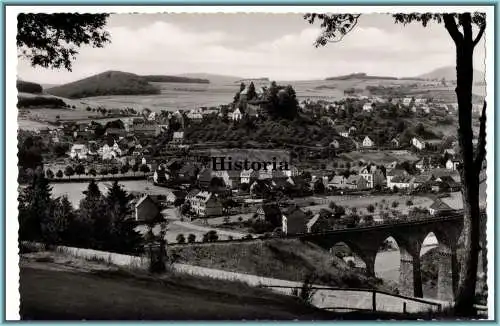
x=374 y=293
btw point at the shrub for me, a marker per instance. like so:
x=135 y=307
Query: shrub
x=212 y=236
x=306 y=292
x=180 y=238
x=395 y=204
x=409 y=202
x=191 y=238
x=370 y=208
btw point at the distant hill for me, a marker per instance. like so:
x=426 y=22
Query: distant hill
x=33 y=101
x=28 y=87
x=175 y=79
x=213 y=78
x=450 y=73
x=106 y=83
x=360 y=75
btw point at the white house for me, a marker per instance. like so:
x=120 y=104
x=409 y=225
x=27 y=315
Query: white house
x=344 y=134
x=373 y=176
x=407 y=101
x=335 y=144
x=178 y=137
x=393 y=174
x=236 y=115
x=426 y=109
x=452 y=165
x=246 y=175
x=79 y=151
x=338 y=182
x=194 y=115
x=292 y=171
x=418 y=143
x=110 y=152
x=367 y=142
x=368 y=107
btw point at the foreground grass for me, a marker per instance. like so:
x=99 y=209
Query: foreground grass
x=105 y=295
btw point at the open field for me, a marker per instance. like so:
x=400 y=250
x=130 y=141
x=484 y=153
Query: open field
x=176 y=96
x=379 y=201
x=380 y=156
x=76 y=294
x=32 y=125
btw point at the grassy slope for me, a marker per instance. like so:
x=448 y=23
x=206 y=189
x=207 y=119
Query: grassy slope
x=122 y=296
x=288 y=259
x=106 y=83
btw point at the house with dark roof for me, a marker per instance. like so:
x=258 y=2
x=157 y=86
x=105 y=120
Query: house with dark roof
x=318 y=222
x=294 y=220
x=160 y=176
x=392 y=174
x=147 y=209
x=204 y=178
x=270 y=213
x=439 y=208
x=401 y=182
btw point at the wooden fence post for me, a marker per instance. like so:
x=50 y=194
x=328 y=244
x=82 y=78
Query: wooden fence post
x=374 y=300
x=404 y=307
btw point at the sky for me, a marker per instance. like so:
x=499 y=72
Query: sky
x=276 y=46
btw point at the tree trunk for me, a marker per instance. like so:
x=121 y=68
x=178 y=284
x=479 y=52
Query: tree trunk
x=464 y=302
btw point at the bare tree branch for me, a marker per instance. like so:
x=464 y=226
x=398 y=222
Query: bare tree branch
x=479 y=35
x=451 y=26
x=481 y=144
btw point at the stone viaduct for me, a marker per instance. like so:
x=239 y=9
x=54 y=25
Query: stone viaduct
x=409 y=235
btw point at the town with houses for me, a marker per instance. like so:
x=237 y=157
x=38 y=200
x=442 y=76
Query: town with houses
x=153 y=146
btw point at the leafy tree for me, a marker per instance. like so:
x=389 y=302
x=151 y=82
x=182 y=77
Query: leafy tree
x=212 y=236
x=135 y=168
x=460 y=28
x=80 y=169
x=60 y=227
x=191 y=238
x=180 y=238
x=49 y=174
x=34 y=207
x=370 y=208
x=319 y=187
x=145 y=169
x=123 y=237
x=125 y=168
x=251 y=94
x=92 y=172
x=69 y=171
x=59 y=174
x=114 y=170
x=40 y=36
x=60 y=150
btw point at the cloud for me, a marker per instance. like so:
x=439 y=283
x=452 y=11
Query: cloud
x=165 y=48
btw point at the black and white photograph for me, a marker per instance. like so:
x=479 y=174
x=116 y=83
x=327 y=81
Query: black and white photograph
x=251 y=164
